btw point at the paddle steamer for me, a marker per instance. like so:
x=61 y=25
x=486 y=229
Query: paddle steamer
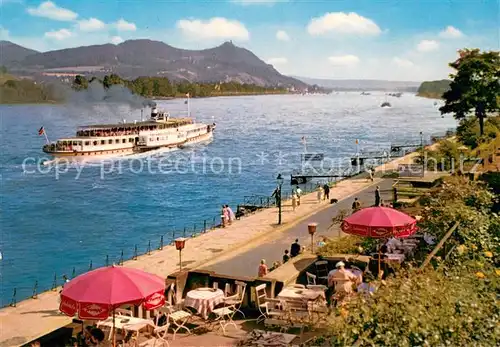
x=161 y=132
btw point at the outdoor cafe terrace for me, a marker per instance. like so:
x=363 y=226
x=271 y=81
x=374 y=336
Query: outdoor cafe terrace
x=128 y=307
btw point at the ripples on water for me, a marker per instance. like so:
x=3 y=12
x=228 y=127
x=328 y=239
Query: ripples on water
x=51 y=225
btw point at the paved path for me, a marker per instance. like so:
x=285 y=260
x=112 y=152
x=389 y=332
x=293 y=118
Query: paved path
x=34 y=318
x=245 y=262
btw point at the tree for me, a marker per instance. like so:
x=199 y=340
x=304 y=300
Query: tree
x=475 y=86
x=80 y=82
x=3 y=69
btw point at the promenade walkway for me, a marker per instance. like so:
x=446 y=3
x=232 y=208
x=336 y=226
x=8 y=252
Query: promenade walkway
x=33 y=318
x=245 y=262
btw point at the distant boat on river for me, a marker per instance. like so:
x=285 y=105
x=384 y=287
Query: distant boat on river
x=386 y=104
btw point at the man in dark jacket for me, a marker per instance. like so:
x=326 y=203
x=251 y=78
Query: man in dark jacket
x=326 y=189
x=377 y=196
x=295 y=249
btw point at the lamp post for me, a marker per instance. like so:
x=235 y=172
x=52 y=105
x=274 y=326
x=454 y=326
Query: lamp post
x=311 y=228
x=179 y=245
x=279 y=180
x=422 y=158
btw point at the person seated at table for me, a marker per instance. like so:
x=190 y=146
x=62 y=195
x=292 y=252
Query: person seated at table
x=263 y=270
x=341 y=278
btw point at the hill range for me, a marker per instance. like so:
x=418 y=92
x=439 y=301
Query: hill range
x=134 y=58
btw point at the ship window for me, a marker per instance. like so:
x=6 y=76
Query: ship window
x=157 y=139
x=87 y=143
x=131 y=139
x=124 y=140
x=95 y=143
x=117 y=141
x=103 y=142
x=110 y=141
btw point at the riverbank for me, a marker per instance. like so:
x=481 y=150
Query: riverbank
x=33 y=318
x=436 y=96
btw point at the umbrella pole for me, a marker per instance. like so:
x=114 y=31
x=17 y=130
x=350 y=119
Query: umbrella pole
x=114 y=334
x=379 y=259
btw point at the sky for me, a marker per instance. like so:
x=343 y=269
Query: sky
x=405 y=40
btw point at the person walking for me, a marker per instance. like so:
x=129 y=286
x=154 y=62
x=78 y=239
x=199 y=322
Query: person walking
x=319 y=193
x=326 y=189
x=295 y=248
x=263 y=270
x=370 y=174
x=230 y=215
x=299 y=193
x=224 y=216
x=294 y=201
x=356 y=205
x=377 y=196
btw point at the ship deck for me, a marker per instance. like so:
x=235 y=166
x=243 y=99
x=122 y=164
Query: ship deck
x=172 y=121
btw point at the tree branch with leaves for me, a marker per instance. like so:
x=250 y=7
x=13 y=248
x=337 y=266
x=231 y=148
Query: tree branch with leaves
x=475 y=86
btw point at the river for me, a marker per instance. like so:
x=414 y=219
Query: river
x=55 y=221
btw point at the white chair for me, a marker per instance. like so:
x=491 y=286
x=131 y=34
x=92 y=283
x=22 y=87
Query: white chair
x=215 y=285
x=277 y=314
x=224 y=316
x=267 y=306
x=176 y=315
x=160 y=332
x=311 y=283
x=236 y=301
x=124 y=312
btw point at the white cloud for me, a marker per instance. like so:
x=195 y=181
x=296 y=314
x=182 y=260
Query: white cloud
x=343 y=23
x=216 y=27
x=277 y=61
x=116 y=40
x=59 y=34
x=4 y=34
x=50 y=10
x=344 y=60
x=402 y=62
x=282 y=35
x=91 y=24
x=451 y=33
x=123 y=25
x=256 y=2
x=427 y=46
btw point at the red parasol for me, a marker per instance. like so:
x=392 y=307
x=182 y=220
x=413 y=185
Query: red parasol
x=380 y=222
x=95 y=295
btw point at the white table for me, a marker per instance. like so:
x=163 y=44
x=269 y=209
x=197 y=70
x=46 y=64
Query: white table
x=296 y=293
x=203 y=300
x=398 y=257
x=126 y=323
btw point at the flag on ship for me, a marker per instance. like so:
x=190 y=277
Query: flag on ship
x=41 y=131
x=357 y=141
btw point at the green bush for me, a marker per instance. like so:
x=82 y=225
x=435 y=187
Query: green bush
x=453 y=306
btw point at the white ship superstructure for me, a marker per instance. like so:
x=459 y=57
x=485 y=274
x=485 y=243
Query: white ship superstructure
x=111 y=140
